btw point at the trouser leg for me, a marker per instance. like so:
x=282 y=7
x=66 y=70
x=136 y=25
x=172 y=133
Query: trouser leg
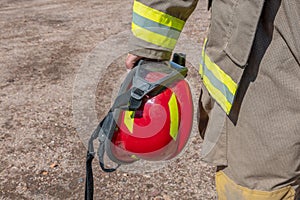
x=227 y=189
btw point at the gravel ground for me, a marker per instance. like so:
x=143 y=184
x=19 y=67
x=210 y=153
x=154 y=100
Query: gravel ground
x=44 y=45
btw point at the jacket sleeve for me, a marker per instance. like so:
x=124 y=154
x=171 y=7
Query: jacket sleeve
x=156 y=26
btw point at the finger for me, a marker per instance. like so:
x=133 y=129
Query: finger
x=131 y=60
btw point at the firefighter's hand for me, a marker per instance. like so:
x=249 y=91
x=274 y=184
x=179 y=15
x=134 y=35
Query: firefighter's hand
x=131 y=60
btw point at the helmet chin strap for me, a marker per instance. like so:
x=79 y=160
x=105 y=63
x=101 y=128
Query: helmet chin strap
x=89 y=182
x=102 y=132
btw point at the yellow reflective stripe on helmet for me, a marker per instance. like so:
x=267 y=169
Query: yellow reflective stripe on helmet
x=157 y=16
x=134 y=157
x=129 y=120
x=220 y=85
x=154 y=38
x=174 y=116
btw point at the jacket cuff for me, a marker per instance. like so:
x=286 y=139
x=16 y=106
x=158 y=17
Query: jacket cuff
x=152 y=54
x=144 y=49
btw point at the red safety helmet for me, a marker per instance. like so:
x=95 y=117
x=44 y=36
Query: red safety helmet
x=151 y=118
x=160 y=127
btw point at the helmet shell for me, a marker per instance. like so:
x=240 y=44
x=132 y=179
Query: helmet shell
x=159 y=129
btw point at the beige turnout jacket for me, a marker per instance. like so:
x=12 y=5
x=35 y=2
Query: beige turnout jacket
x=250 y=67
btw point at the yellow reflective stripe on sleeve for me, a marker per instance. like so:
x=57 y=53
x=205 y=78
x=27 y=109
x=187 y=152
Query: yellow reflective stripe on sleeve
x=155 y=27
x=174 y=116
x=129 y=120
x=153 y=38
x=220 y=85
x=157 y=16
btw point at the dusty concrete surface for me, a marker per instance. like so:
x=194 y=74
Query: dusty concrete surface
x=43 y=43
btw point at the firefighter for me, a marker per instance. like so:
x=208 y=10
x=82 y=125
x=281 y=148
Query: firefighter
x=250 y=100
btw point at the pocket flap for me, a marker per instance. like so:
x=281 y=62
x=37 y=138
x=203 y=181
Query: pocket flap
x=242 y=30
